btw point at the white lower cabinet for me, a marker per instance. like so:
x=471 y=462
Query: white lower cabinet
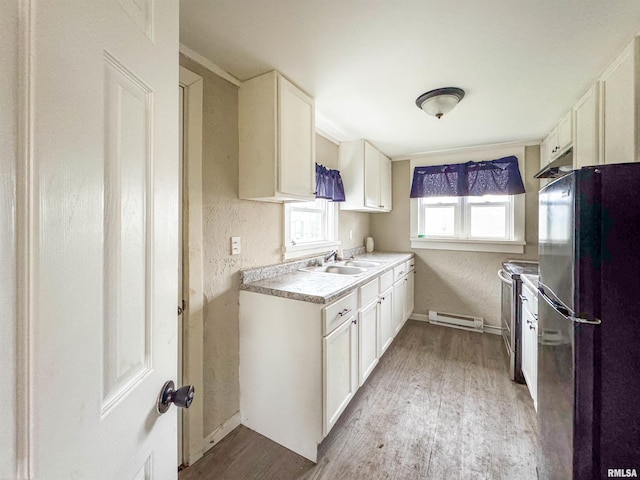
x=368 y=340
x=387 y=326
x=301 y=363
x=399 y=291
x=340 y=370
x=409 y=301
x=530 y=341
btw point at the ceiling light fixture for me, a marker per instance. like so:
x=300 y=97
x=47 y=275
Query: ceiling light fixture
x=440 y=101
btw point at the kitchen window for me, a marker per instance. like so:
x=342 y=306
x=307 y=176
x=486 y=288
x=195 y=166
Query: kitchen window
x=466 y=204
x=488 y=217
x=310 y=228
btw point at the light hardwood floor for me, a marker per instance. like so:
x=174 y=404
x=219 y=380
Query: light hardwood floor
x=439 y=405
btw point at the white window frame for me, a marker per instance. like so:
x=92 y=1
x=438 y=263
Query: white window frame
x=461 y=240
x=291 y=250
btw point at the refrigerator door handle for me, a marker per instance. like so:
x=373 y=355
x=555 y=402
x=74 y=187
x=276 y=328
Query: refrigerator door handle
x=505 y=277
x=563 y=310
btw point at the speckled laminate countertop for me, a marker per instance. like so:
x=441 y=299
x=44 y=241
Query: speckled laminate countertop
x=324 y=287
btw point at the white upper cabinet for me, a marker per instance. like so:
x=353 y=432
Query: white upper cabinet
x=371 y=176
x=276 y=123
x=385 y=182
x=565 y=133
x=619 y=98
x=585 y=119
x=553 y=143
x=366 y=174
x=558 y=141
x=545 y=151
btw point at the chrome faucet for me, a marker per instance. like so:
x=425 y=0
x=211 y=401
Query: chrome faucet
x=334 y=254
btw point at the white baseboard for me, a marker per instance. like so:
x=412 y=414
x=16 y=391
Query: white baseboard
x=487 y=328
x=219 y=433
x=493 y=330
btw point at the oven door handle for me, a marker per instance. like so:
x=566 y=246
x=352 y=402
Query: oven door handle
x=505 y=277
x=563 y=310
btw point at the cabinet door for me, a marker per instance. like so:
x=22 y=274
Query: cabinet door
x=618 y=109
x=385 y=182
x=565 y=132
x=371 y=176
x=296 y=146
x=409 y=294
x=387 y=328
x=340 y=371
x=367 y=340
x=545 y=152
x=553 y=144
x=585 y=113
x=533 y=389
x=529 y=348
x=398 y=305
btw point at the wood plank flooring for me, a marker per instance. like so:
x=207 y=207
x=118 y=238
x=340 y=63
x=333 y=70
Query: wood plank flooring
x=439 y=405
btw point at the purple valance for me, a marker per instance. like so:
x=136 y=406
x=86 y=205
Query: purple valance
x=495 y=177
x=329 y=184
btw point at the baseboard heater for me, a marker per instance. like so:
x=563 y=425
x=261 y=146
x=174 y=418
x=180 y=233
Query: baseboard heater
x=464 y=322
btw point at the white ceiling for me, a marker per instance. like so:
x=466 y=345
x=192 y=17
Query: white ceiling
x=522 y=63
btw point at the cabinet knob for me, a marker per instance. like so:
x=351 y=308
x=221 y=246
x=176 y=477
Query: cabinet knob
x=354 y=321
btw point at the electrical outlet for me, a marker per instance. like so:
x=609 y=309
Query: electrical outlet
x=235 y=246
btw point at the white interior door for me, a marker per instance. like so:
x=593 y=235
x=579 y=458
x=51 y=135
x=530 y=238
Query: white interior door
x=103 y=237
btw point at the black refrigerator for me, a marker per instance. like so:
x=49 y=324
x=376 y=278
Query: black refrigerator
x=589 y=325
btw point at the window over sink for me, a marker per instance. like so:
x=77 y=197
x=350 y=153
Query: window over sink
x=310 y=228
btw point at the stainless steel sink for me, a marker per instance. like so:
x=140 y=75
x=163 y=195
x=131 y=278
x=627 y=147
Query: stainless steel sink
x=338 y=269
x=361 y=263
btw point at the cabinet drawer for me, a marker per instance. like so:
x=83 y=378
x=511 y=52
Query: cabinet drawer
x=339 y=311
x=409 y=265
x=399 y=272
x=386 y=280
x=368 y=293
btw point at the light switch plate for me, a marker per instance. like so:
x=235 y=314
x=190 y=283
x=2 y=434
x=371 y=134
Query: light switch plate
x=235 y=246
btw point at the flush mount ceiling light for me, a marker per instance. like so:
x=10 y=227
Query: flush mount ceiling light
x=440 y=101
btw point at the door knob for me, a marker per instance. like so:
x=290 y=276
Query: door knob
x=181 y=397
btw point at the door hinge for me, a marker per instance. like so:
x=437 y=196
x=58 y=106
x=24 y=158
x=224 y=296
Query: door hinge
x=182 y=307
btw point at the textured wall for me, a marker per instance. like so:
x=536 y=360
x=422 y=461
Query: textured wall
x=454 y=281
x=260 y=226
x=9 y=373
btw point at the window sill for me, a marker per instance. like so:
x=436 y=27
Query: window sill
x=508 y=246
x=297 y=251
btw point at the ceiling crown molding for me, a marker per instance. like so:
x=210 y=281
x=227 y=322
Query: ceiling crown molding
x=205 y=62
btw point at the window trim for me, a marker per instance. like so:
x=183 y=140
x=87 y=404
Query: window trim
x=290 y=251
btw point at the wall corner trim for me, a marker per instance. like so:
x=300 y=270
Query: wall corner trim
x=205 y=62
x=219 y=433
